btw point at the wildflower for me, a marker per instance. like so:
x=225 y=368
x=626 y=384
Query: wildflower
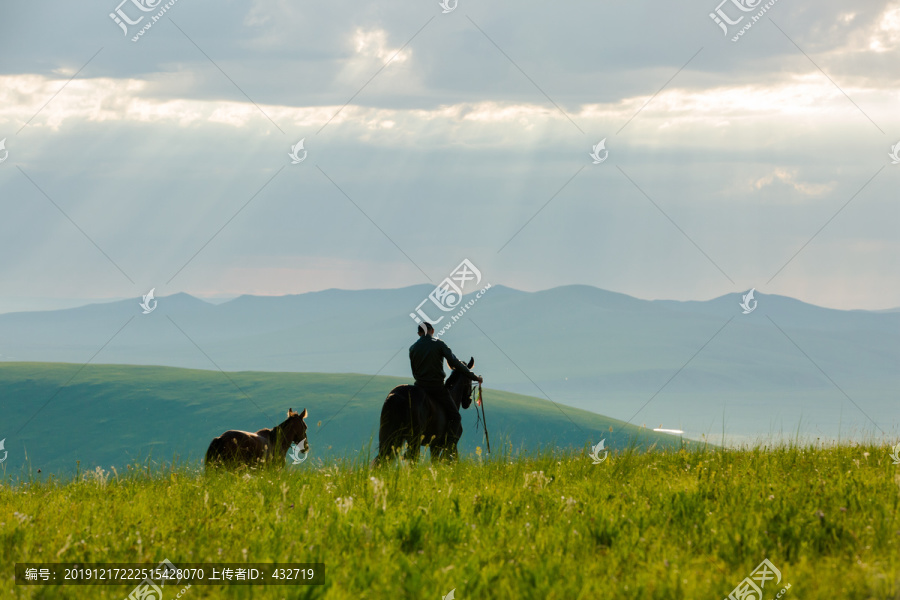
x=536 y=479
x=344 y=504
x=379 y=492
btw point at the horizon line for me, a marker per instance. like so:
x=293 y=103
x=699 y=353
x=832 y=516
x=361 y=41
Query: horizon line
x=225 y=298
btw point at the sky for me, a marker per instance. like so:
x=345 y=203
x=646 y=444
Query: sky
x=436 y=133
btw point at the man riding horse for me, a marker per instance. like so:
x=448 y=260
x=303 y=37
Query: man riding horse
x=426 y=357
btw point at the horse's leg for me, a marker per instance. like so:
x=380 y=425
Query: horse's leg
x=441 y=446
x=452 y=441
x=228 y=450
x=410 y=436
x=416 y=433
x=413 y=446
x=444 y=449
x=451 y=452
x=438 y=448
x=275 y=456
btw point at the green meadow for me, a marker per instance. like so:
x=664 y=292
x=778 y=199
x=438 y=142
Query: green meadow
x=56 y=415
x=689 y=523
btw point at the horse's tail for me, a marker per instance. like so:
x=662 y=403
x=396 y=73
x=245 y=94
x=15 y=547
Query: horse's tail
x=390 y=433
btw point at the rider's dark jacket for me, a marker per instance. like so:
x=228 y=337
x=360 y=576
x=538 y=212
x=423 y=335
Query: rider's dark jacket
x=427 y=356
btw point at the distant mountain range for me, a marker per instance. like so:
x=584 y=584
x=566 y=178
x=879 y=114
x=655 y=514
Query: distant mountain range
x=786 y=368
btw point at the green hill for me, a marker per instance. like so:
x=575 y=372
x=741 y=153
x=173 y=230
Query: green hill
x=57 y=415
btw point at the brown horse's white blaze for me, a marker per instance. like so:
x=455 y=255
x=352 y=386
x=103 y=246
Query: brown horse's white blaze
x=266 y=447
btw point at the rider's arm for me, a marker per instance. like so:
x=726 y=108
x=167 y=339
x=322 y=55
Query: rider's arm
x=455 y=363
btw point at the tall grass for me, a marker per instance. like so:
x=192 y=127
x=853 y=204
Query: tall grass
x=663 y=524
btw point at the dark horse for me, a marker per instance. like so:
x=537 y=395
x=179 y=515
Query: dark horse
x=408 y=415
x=266 y=447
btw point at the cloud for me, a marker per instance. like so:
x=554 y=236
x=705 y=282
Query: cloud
x=374 y=42
x=789 y=177
x=804 y=101
x=886 y=37
x=154 y=145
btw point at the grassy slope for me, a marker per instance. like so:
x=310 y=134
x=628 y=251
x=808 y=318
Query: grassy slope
x=113 y=414
x=685 y=524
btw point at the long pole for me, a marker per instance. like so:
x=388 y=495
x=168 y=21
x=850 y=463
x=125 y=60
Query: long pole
x=484 y=420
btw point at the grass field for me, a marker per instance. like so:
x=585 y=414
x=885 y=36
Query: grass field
x=673 y=524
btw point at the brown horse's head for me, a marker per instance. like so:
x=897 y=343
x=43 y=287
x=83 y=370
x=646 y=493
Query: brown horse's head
x=294 y=429
x=459 y=386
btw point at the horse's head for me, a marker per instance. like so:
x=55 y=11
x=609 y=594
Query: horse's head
x=459 y=386
x=294 y=429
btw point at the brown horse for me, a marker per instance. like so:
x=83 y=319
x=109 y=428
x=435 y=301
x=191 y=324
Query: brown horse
x=408 y=415
x=266 y=447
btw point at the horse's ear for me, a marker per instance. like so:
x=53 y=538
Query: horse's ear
x=471 y=362
x=304 y=414
x=291 y=412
